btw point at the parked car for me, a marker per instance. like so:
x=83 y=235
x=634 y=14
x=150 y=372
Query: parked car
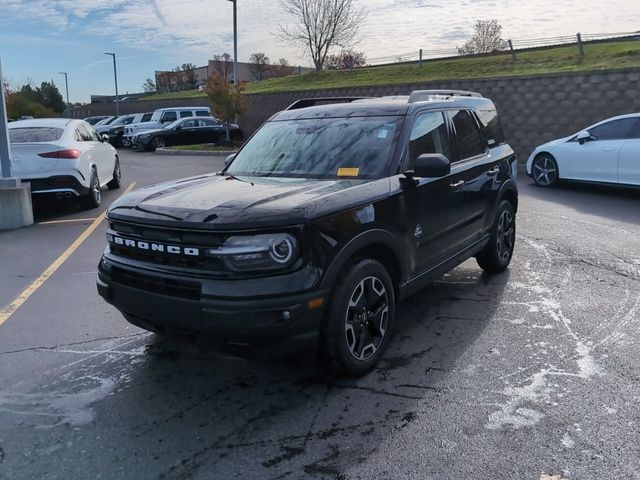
x=105 y=121
x=165 y=116
x=186 y=131
x=606 y=152
x=325 y=218
x=64 y=158
x=115 y=129
x=139 y=118
x=95 y=119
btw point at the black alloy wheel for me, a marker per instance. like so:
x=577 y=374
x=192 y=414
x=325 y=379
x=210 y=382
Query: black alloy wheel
x=360 y=318
x=496 y=256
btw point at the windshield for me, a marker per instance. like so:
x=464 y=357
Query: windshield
x=361 y=147
x=34 y=134
x=104 y=121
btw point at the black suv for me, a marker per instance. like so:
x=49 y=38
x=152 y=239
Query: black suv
x=324 y=219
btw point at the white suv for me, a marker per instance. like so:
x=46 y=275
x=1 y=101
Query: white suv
x=164 y=116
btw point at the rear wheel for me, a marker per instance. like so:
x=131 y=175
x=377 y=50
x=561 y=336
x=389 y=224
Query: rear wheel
x=496 y=256
x=117 y=176
x=544 y=170
x=360 y=318
x=93 y=198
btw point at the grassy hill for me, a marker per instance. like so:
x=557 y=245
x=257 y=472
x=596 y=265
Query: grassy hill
x=598 y=56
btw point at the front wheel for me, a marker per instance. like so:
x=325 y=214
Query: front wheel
x=544 y=170
x=157 y=142
x=496 y=256
x=360 y=318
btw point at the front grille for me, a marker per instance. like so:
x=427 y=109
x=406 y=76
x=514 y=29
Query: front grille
x=168 y=236
x=163 y=286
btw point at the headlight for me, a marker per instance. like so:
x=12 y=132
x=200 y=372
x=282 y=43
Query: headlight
x=259 y=252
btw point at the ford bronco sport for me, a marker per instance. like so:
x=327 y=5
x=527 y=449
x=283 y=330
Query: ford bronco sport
x=326 y=217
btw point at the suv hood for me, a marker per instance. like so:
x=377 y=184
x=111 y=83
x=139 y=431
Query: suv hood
x=224 y=202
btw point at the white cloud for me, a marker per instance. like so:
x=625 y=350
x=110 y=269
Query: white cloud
x=192 y=30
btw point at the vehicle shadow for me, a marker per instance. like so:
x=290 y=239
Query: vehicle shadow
x=614 y=203
x=208 y=415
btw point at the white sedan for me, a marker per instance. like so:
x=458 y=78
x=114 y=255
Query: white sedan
x=607 y=152
x=63 y=157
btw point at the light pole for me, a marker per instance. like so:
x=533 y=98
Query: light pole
x=235 y=44
x=115 y=77
x=5 y=152
x=66 y=86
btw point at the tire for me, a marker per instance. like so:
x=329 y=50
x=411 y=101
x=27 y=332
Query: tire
x=94 y=197
x=544 y=170
x=359 y=321
x=496 y=256
x=117 y=176
x=156 y=142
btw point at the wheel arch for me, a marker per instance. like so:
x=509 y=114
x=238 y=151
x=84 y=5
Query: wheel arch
x=546 y=153
x=508 y=191
x=379 y=245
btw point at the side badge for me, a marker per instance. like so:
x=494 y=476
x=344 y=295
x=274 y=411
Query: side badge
x=418 y=231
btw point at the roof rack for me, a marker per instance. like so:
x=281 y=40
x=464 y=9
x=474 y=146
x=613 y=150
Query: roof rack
x=425 y=95
x=310 y=102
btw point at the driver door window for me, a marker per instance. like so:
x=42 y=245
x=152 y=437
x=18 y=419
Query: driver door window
x=429 y=135
x=615 y=130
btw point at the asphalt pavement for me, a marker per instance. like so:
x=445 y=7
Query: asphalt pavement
x=531 y=374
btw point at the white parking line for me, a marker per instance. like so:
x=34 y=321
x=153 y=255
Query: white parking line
x=6 y=312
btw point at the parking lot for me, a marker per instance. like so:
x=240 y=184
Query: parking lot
x=530 y=373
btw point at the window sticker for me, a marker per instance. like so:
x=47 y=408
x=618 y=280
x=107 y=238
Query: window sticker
x=382 y=133
x=348 y=172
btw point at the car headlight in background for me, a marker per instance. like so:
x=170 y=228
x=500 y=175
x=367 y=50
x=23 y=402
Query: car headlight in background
x=259 y=252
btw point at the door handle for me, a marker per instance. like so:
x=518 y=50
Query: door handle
x=609 y=149
x=493 y=171
x=457 y=184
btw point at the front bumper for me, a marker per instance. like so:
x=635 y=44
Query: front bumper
x=184 y=305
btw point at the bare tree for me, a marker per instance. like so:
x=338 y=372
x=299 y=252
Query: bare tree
x=259 y=65
x=322 y=24
x=345 y=60
x=486 y=38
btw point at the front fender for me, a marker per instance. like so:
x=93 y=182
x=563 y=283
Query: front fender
x=375 y=238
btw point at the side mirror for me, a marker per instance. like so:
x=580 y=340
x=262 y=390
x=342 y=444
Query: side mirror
x=104 y=137
x=228 y=160
x=430 y=165
x=584 y=136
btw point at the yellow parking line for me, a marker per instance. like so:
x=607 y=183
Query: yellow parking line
x=52 y=222
x=6 y=312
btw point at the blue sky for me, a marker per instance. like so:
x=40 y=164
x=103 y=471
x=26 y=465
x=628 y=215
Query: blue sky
x=39 y=38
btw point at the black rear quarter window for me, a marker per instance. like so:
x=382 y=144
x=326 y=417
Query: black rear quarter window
x=491 y=127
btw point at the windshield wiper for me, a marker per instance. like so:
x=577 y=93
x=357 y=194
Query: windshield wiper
x=233 y=177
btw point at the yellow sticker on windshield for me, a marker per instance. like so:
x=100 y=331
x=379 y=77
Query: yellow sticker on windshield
x=348 y=172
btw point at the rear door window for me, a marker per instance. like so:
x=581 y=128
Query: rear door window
x=186 y=114
x=202 y=113
x=468 y=138
x=35 y=134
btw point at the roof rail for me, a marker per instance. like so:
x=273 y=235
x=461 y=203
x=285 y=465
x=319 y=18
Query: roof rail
x=424 y=95
x=310 y=102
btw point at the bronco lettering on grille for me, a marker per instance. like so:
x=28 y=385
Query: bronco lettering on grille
x=155 y=247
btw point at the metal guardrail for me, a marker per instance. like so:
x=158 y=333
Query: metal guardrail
x=417 y=56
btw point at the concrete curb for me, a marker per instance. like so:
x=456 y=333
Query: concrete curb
x=200 y=153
